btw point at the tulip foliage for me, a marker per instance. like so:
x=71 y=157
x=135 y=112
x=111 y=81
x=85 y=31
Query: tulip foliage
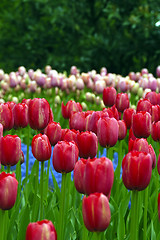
x=94 y=140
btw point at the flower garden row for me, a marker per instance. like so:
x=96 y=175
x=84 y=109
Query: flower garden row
x=107 y=114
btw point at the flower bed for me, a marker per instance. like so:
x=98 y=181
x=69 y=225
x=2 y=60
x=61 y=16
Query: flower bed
x=79 y=155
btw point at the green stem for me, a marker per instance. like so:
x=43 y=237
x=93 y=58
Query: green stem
x=18 y=177
x=46 y=186
x=8 y=168
x=27 y=157
x=42 y=180
x=96 y=236
x=84 y=233
x=145 y=214
x=119 y=160
x=3 y=225
x=134 y=216
x=62 y=207
x=35 y=192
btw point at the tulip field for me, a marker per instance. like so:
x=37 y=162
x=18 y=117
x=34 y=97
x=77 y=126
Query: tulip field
x=79 y=155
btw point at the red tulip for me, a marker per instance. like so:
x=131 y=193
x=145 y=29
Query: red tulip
x=26 y=101
x=38 y=113
x=70 y=106
x=54 y=132
x=92 y=120
x=98 y=176
x=139 y=144
x=127 y=116
x=112 y=112
x=79 y=175
x=87 y=144
x=122 y=101
x=152 y=97
x=69 y=135
x=43 y=230
x=65 y=156
x=155 y=113
x=141 y=124
x=107 y=132
x=20 y=115
x=41 y=147
x=122 y=132
x=109 y=96
x=6 y=116
x=77 y=121
x=155 y=131
x=8 y=190
x=144 y=105
x=10 y=150
x=136 y=170
x=96 y=212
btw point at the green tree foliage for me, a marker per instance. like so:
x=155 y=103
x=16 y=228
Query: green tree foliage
x=120 y=35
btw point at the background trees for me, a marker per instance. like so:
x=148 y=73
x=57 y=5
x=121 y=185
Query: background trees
x=120 y=35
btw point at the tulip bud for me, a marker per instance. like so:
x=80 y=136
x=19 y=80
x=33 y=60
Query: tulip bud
x=152 y=97
x=53 y=131
x=109 y=96
x=20 y=115
x=43 y=230
x=155 y=131
x=79 y=175
x=127 y=116
x=8 y=190
x=70 y=106
x=98 y=176
x=107 y=131
x=10 y=150
x=38 y=113
x=136 y=170
x=87 y=144
x=141 y=124
x=122 y=101
x=144 y=105
x=41 y=147
x=77 y=121
x=65 y=156
x=122 y=132
x=6 y=116
x=96 y=212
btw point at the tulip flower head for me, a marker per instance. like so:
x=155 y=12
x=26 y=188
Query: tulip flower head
x=69 y=107
x=107 y=132
x=43 y=230
x=54 y=133
x=20 y=115
x=13 y=155
x=8 y=190
x=96 y=212
x=41 y=147
x=38 y=113
x=141 y=124
x=122 y=101
x=136 y=170
x=79 y=175
x=87 y=144
x=109 y=96
x=65 y=156
x=98 y=176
